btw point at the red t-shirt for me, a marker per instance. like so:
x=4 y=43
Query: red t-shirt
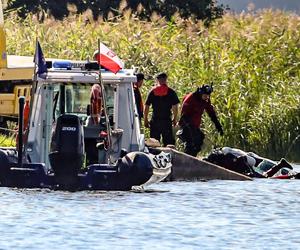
x=193 y=108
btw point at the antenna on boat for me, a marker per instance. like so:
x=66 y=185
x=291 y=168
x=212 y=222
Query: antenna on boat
x=104 y=103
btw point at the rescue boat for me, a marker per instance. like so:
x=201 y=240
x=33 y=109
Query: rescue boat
x=68 y=145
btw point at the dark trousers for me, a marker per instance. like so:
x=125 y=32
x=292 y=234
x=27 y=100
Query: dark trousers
x=162 y=128
x=192 y=138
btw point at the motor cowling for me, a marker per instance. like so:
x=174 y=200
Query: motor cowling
x=67 y=150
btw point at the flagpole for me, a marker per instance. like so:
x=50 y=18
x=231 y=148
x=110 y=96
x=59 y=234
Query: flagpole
x=104 y=104
x=32 y=92
x=34 y=83
x=34 y=86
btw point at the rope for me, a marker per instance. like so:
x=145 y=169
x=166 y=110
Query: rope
x=7 y=129
x=10 y=116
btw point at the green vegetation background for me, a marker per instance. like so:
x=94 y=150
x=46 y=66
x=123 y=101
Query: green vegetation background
x=252 y=59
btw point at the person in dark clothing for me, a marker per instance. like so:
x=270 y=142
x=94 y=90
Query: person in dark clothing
x=137 y=94
x=194 y=105
x=251 y=164
x=164 y=101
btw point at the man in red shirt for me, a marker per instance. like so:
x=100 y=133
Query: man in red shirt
x=193 y=106
x=164 y=102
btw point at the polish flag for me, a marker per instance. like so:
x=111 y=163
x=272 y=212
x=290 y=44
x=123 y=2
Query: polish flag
x=108 y=59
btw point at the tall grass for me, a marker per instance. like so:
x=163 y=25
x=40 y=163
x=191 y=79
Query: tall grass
x=252 y=59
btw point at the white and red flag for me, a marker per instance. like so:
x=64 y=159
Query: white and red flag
x=108 y=59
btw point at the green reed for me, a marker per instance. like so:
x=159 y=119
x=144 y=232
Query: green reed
x=252 y=59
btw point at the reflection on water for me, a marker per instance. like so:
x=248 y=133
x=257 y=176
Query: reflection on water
x=262 y=214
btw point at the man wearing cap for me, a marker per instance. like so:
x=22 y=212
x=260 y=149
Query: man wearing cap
x=137 y=94
x=193 y=106
x=164 y=101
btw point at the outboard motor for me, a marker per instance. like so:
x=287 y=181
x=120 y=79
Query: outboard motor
x=67 y=151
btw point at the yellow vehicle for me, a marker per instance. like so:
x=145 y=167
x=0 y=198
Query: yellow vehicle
x=16 y=77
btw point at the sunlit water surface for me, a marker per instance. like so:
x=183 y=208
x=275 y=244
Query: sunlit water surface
x=260 y=214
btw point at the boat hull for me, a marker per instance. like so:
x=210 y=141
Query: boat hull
x=134 y=169
x=189 y=168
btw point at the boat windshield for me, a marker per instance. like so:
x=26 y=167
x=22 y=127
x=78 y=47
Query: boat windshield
x=75 y=99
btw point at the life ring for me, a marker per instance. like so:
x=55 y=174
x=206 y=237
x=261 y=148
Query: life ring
x=96 y=103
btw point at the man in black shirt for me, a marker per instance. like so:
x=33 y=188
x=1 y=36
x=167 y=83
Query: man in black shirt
x=137 y=94
x=164 y=101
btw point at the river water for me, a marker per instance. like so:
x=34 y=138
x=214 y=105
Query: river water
x=259 y=214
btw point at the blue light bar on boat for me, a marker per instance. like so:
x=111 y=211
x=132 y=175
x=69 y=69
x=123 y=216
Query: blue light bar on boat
x=62 y=65
x=68 y=65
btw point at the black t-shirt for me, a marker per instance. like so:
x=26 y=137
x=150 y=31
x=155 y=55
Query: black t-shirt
x=162 y=105
x=138 y=101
